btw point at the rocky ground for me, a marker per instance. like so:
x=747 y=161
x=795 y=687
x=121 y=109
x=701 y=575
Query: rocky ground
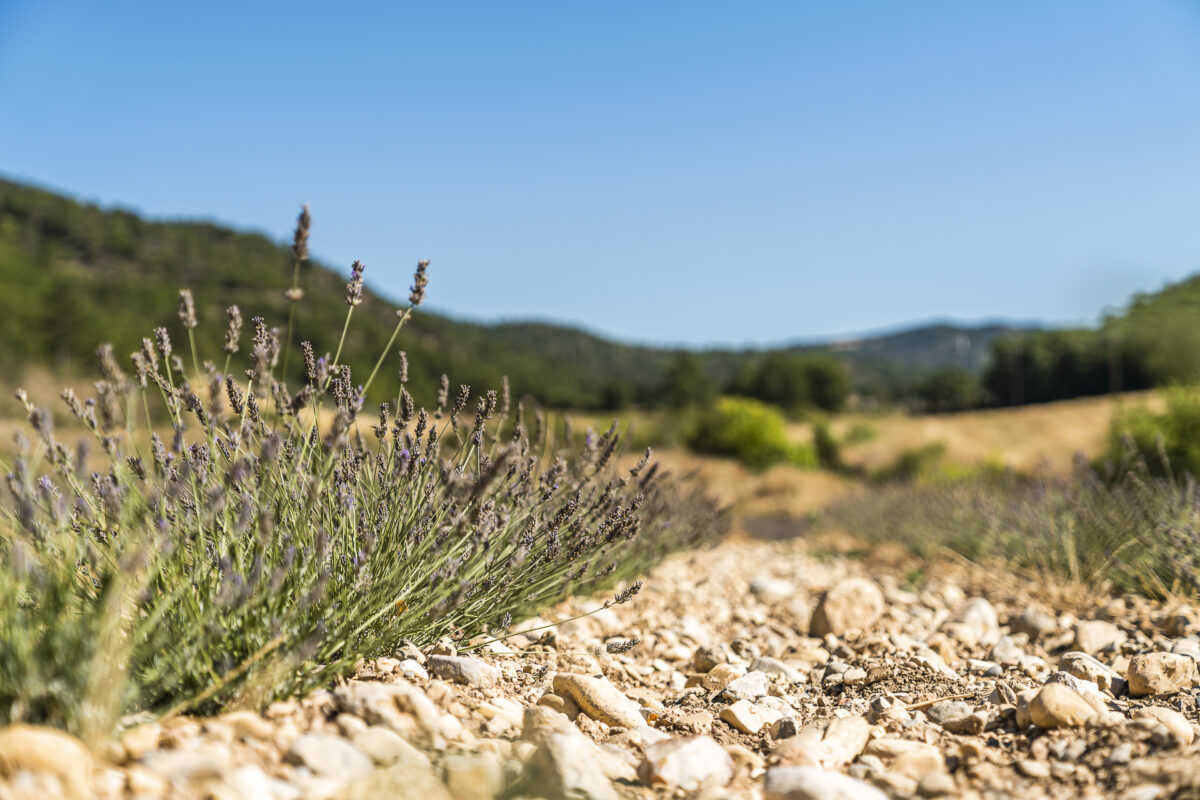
x=759 y=671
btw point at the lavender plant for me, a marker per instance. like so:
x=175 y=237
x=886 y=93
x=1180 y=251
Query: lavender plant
x=264 y=537
x=1124 y=528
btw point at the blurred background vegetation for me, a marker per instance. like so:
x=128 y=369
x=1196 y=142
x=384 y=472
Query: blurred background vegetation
x=73 y=274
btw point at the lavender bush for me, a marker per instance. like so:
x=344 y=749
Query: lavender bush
x=1125 y=529
x=244 y=540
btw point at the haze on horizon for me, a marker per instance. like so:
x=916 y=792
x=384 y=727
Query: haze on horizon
x=697 y=173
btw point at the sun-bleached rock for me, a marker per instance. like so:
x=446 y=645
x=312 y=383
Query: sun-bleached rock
x=810 y=783
x=464 y=669
x=686 y=764
x=33 y=749
x=850 y=604
x=748 y=717
x=1159 y=673
x=1057 y=706
x=599 y=699
x=1175 y=723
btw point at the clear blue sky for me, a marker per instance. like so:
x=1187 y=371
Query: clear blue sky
x=672 y=172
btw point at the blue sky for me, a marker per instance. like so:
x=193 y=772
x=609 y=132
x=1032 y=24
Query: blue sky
x=671 y=172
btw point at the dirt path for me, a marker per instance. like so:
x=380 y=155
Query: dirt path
x=759 y=671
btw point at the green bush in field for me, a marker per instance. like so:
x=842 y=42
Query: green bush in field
x=913 y=463
x=749 y=431
x=1168 y=443
x=859 y=433
x=826 y=446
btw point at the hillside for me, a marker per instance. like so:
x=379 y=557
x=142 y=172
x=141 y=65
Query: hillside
x=1154 y=341
x=73 y=274
x=927 y=347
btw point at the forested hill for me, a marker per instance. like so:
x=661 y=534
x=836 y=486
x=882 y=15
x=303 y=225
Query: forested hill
x=73 y=275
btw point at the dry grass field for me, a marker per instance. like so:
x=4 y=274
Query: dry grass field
x=1043 y=437
x=1027 y=438
x=1039 y=437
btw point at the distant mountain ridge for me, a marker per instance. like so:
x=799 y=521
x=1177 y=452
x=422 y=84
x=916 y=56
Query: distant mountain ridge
x=73 y=274
x=931 y=345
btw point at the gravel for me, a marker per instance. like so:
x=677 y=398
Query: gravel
x=761 y=672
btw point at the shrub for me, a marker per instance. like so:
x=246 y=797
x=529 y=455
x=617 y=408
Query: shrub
x=749 y=431
x=273 y=534
x=913 y=463
x=826 y=446
x=1135 y=533
x=1166 y=443
x=859 y=433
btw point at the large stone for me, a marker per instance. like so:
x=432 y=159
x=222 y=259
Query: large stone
x=686 y=764
x=721 y=676
x=747 y=717
x=477 y=775
x=137 y=742
x=1057 y=706
x=566 y=764
x=183 y=766
x=705 y=659
x=1033 y=623
x=464 y=669
x=773 y=666
x=599 y=699
x=810 y=783
x=27 y=748
x=250 y=783
x=542 y=723
x=398 y=780
x=906 y=757
x=948 y=710
x=640 y=737
x=501 y=715
x=329 y=756
x=771 y=590
x=1081 y=665
x=846 y=737
x=1175 y=723
x=384 y=746
x=1159 y=673
x=1005 y=652
x=1094 y=635
x=974 y=622
x=1086 y=689
x=1024 y=699
x=412 y=669
x=249 y=725
x=850 y=604
x=386 y=704
x=831 y=749
x=750 y=686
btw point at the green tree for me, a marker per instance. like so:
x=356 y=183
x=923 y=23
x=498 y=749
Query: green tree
x=795 y=381
x=686 y=384
x=949 y=389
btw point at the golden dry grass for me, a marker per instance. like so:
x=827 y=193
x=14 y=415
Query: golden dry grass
x=1043 y=437
x=779 y=491
x=1046 y=436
